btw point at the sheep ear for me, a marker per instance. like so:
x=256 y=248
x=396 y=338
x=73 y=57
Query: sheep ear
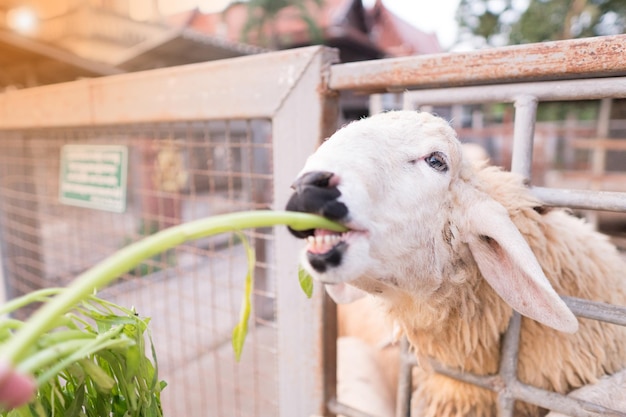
x=344 y=293
x=512 y=270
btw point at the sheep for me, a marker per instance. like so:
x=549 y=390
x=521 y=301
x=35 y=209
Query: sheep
x=449 y=249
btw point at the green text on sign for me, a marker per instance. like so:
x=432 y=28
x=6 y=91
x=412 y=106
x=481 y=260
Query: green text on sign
x=94 y=176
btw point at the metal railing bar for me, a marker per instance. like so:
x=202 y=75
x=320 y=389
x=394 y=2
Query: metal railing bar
x=546 y=399
x=582 y=199
x=578 y=58
x=490 y=382
x=566 y=90
x=595 y=310
x=183 y=93
x=570 y=406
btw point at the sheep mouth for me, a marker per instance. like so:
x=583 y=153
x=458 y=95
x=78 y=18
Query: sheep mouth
x=325 y=248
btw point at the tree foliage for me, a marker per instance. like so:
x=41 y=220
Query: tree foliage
x=502 y=22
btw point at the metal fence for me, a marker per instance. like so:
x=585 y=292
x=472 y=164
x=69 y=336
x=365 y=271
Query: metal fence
x=200 y=140
x=231 y=135
x=178 y=172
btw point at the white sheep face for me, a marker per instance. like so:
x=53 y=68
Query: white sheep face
x=398 y=181
x=384 y=170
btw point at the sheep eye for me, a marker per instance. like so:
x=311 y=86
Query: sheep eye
x=437 y=162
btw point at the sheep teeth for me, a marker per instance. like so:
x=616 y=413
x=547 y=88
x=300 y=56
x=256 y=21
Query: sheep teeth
x=322 y=243
x=324 y=240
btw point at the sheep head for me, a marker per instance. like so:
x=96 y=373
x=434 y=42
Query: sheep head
x=416 y=216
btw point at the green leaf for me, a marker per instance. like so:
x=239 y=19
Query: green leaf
x=75 y=406
x=306 y=281
x=100 y=378
x=241 y=329
x=239 y=337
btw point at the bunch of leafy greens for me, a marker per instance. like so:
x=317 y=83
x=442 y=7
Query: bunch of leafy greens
x=92 y=363
x=88 y=355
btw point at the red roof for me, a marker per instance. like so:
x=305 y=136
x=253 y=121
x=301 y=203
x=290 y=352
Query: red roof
x=398 y=37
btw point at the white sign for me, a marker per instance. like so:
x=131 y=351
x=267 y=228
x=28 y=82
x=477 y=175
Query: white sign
x=94 y=176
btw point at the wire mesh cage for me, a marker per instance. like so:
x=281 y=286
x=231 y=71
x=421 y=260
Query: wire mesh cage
x=190 y=142
x=177 y=172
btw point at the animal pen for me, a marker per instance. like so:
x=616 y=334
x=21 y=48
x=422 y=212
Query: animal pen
x=231 y=135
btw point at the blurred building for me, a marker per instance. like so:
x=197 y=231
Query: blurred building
x=50 y=41
x=358 y=33
x=43 y=42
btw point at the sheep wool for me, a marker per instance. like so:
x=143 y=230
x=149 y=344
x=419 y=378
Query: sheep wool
x=450 y=248
x=577 y=260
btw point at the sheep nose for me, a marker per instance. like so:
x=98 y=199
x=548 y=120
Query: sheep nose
x=316 y=192
x=320 y=179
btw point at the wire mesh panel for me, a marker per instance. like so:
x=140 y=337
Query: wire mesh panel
x=200 y=140
x=177 y=172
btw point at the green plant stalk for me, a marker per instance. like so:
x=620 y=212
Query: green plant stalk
x=50 y=355
x=64 y=335
x=103 y=380
x=80 y=353
x=11 y=324
x=127 y=258
x=32 y=297
x=76 y=347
